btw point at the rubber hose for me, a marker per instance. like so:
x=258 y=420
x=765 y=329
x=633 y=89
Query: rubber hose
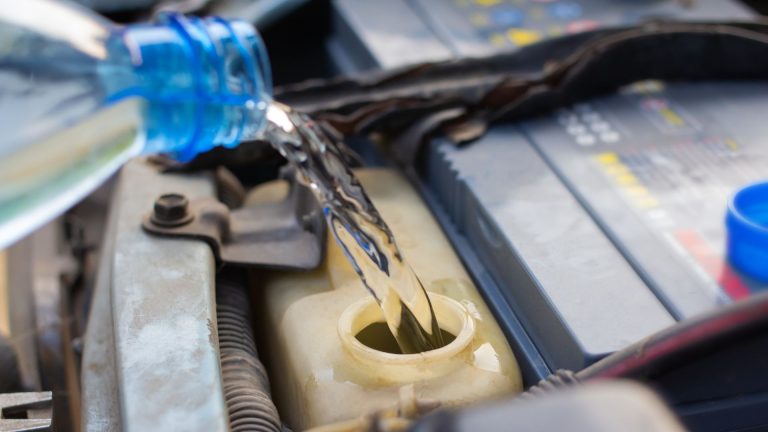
x=686 y=342
x=245 y=380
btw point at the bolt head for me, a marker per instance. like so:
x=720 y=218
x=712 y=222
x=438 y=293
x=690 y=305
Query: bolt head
x=171 y=209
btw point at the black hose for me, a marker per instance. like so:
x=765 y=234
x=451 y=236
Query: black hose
x=686 y=342
x=245 y=381
x=716 y=333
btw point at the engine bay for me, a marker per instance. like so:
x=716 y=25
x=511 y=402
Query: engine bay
x=556 y=173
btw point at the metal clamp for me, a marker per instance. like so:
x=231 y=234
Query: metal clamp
x=287 y=235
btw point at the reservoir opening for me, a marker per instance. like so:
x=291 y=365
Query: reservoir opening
x=367 y=339
x=377 y=336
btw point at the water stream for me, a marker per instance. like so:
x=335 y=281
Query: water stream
x=357 y=227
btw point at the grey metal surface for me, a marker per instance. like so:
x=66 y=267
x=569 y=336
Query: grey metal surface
x=568 y=284
x=22 y=412
x=372 y=34
x=163 y=311
x=100 y=405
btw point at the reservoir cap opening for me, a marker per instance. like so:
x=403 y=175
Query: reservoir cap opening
x=747 y=226
x=388 y=364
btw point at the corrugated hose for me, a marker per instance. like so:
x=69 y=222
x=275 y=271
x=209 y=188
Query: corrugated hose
x=245 y=380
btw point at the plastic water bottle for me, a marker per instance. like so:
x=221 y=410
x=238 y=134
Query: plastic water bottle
x=79 y=96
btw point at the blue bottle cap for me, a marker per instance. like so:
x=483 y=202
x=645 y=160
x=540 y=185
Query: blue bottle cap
x=747 y=226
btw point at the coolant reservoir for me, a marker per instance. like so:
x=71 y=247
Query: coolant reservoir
x=322 y=374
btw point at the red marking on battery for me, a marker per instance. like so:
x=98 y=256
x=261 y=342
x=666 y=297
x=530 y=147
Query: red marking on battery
x=732 y=284
x=582 y=26
x=713 y=264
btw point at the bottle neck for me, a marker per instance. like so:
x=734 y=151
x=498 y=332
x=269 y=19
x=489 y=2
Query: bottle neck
x=206 y=81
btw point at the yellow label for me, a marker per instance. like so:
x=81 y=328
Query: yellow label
x=672 y=117
x=607 y=158
x=626 y=179
x=623 y=177
x=732 y=144
x=488 y=3
x=617 y=169
x=522 y=37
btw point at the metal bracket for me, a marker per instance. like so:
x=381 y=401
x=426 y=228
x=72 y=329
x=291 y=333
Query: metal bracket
x=287 y=235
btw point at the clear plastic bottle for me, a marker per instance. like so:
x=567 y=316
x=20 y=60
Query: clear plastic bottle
x=79 y=96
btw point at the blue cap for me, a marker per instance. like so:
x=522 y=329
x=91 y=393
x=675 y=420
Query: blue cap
x=747 y=226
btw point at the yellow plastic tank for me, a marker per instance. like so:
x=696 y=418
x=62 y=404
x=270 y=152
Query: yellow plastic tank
x=322 y=374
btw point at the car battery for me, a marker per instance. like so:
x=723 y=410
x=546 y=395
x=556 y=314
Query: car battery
x=604 y=222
